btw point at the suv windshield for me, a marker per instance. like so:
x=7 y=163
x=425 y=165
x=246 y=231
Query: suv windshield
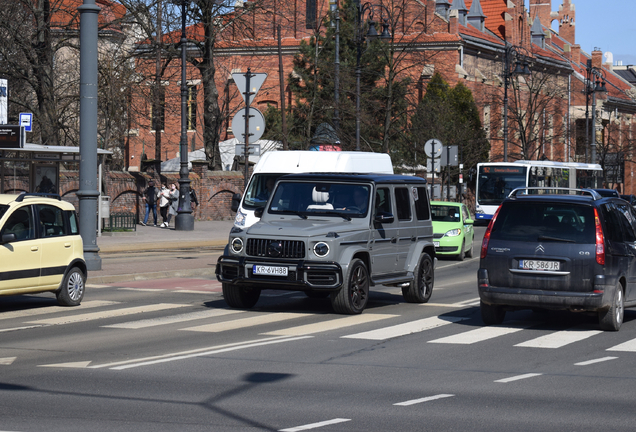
x=259 y=190
x=536 y=221
x=331 y=199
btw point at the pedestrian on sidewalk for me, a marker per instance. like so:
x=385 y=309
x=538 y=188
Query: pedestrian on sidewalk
x=174 y=202
x=194 y=201
x=150 y=198
x=164 y=203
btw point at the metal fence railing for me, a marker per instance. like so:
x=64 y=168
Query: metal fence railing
x=124 y=221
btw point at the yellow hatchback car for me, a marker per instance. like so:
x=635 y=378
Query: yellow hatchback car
x=40 y=247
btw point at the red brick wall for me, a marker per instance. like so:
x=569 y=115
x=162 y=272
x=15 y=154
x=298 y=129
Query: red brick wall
x=214 y=190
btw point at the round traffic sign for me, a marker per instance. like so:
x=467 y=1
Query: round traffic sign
x=433 y=148
x=257 y=125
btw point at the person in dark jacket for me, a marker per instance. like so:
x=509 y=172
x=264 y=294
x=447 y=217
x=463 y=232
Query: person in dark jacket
x=150 y=198
x=194 y=201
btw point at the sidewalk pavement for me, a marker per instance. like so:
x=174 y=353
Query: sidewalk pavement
x=206 y=235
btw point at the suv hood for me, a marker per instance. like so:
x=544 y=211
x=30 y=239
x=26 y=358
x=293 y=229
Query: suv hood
x=304 y=227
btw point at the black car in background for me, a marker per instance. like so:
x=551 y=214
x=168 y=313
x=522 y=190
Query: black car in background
x=630 y=199
x=559 y=249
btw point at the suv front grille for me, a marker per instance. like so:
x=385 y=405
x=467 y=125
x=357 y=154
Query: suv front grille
x=275 y=248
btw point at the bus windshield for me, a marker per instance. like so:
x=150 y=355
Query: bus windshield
x=494 y=183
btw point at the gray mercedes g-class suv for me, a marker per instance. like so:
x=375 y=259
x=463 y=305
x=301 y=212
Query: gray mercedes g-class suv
x=334 y=235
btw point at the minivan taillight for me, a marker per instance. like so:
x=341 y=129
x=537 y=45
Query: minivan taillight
x=600 y=240
x=484 y=242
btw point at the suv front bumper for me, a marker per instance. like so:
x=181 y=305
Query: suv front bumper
x=301 y=275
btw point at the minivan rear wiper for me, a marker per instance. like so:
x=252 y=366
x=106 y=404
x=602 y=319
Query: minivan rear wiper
x=548 y=238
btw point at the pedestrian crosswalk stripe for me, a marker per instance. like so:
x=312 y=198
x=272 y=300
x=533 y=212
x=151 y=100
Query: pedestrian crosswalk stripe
x=329 y=325
x=481 y=334
x=246 y=322
x=406 y=328
x=560 y=338
x=174 y=319
x=69 y=319
x=6 y=361
x=52 y=309
x=629 y=346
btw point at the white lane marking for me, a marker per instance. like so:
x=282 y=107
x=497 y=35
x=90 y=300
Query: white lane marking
x=406 y=328
x=481 y=334
x=162 y=356
x=246 y=322
x=559 y=339
x=6 y=361
x=203 y=291
x=52 y=309
x=518 y=377
x=151 y=322
x=598 y=360
x=108 y=314
x=629 y=346
x=93 y=286
x=425 y=399
x=469 y=301
x=329 y=325
x=315 y=425
x=217 y=351
x=143 y=289
x=20 y=328
x=78 y=365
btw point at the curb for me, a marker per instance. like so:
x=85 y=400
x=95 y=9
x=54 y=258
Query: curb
x=106 y=279
x=139 y=247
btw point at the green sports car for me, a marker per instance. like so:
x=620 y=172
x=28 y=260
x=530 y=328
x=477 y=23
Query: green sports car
x=453 y=231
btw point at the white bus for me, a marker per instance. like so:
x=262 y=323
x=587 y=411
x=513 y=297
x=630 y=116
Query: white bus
x=495 y=180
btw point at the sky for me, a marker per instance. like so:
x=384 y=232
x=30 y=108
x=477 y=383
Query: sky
x=606 y=24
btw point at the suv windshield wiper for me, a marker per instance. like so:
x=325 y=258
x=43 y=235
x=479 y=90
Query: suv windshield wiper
x=548 y=238
x=297 y=213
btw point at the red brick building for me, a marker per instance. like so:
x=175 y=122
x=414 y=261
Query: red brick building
x=464 y=40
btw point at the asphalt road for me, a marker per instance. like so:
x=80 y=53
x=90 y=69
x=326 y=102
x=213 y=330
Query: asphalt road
x=166 y=355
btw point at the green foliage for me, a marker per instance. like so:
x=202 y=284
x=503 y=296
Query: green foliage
x=450 y=115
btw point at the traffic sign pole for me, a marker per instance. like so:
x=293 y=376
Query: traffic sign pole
x=246 y=135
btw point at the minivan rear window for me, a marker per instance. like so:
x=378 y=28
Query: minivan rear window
x=535 y=221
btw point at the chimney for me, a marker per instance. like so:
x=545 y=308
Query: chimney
x=567 y=51
x=453 y=22
x=576 y=54
x=597 y=58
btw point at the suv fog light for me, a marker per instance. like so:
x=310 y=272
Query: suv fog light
x=321 y=249
x=237 y=245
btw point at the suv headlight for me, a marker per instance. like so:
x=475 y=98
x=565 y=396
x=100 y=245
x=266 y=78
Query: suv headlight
x=236 y=245
x=453 y=232
x=239 y=220
x=321 y=249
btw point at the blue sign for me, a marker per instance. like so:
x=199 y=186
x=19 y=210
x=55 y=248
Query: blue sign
x=26 y=120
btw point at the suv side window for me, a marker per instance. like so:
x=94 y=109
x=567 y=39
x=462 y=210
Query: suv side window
x=625 y=216
x=382 y=201
x=51 y=221
x=402 y=204
x=421 y=203
x=21 y=224
x=612 y=222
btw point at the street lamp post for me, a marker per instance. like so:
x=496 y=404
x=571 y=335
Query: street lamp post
x=594 y=83
x=184 y=221
x=363 y=8
x=521 y=68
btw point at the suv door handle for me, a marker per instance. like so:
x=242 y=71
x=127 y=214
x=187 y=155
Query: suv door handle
x=67 y=245
x=34 y=248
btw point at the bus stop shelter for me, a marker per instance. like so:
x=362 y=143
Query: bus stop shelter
x=36 y=168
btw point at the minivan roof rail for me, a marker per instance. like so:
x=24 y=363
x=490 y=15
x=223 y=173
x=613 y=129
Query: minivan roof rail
x=23 y=195
x=555 y=191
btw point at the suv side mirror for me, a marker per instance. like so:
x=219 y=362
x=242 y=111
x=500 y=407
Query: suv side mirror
x=469 y=221
x=236 y=201
x=384 y=217
x=8 y=238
